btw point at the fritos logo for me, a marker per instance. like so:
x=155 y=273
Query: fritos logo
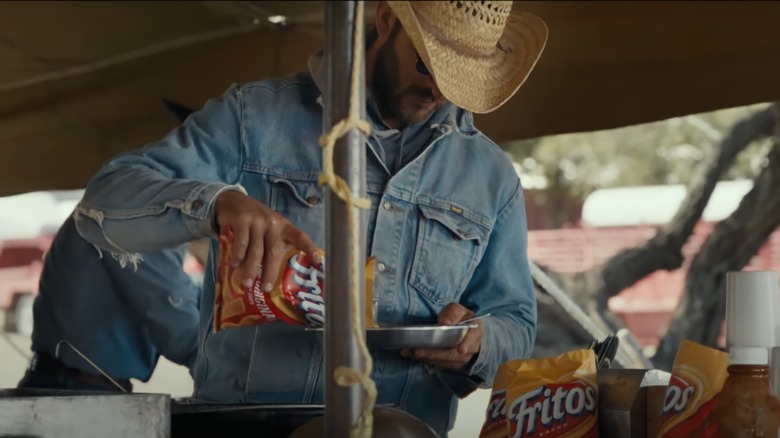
x=302 y=285
x=559 y=407
x=698 y=375
x=495 y=418
x=297 y=298
x=678 y=394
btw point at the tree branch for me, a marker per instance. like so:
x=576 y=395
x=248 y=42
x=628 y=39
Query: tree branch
x=732 y=244
x=664 y=250
x=592 y=289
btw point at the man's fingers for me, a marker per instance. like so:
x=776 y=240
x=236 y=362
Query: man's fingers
x=453 y=313
x=470 y=344
x=434 y=354
x=274 y=250
x=258 y=237
x=240 y=243
x=303 y=242
x=449 y=359
x=254 y=255
x=453 y=358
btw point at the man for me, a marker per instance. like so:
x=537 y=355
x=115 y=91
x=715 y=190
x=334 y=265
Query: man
x=121 y=315
x=447 y=223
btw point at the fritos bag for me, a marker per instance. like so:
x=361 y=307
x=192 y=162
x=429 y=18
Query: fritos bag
x=551 y=397
x=298 y=298
x=698 y=376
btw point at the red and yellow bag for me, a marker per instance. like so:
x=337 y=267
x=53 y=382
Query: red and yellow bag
x=698 y=376
x=298 y=298
x=552 y=397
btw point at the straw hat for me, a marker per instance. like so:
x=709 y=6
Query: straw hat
x=477 y=51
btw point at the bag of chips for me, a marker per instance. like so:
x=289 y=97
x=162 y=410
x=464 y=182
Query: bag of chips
x=298 y=297
x=698 y=376
x=551 y=397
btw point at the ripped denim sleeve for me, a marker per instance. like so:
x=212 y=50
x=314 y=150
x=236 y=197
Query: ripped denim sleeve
x=124 y=258
x=126 y=233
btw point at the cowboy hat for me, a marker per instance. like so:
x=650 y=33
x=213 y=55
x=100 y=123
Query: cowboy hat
x=479 y=52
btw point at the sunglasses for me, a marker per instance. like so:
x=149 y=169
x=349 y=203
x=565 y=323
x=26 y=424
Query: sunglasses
x=421 y=68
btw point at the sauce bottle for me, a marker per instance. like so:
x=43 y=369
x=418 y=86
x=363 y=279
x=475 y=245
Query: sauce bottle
x=745 y=407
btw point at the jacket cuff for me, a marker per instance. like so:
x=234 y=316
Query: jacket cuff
x=461 y=385
x=481 y=365
x=200 y=205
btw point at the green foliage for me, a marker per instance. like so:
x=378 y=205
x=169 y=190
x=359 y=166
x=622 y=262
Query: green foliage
x=663 y=152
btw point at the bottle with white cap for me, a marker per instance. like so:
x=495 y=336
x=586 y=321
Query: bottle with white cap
x=745 y=407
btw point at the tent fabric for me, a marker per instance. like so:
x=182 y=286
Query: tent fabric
x=83 y=81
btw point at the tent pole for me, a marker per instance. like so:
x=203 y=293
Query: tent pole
x=342 y=404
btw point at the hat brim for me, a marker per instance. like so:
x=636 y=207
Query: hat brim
x=479 y=84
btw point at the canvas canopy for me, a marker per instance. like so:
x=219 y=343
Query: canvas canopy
x=83 y=81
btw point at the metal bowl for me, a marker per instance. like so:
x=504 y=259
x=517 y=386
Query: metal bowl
x=415 y=336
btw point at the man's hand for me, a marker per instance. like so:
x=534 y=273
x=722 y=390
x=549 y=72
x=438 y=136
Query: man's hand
x=457 y=357
x=259 y=236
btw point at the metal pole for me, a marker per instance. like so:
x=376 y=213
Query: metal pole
x=342 y=404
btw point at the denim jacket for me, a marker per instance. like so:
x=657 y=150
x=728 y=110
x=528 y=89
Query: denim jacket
x=449 y=226
x=121 y=319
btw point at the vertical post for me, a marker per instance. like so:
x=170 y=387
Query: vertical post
x=342 y=404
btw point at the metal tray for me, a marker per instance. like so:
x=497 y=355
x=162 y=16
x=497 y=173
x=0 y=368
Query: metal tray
x=83 y=414
x=415 y=336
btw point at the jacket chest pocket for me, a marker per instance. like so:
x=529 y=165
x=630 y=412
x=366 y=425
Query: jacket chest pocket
x=302 y=203
x=449 y=247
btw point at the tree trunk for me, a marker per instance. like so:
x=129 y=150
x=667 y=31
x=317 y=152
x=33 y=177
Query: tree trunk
x=732 y=244
x=664 y=250
x=592 y=289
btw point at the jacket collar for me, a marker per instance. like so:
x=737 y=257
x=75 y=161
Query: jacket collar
x=457 y=118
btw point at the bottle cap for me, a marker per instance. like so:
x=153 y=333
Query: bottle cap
x=749 y=356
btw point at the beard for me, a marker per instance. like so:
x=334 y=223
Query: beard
x=390 y=98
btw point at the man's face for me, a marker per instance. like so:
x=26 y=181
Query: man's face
x=401 y=91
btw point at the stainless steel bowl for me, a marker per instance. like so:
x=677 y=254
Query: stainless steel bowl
x=415 y=336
